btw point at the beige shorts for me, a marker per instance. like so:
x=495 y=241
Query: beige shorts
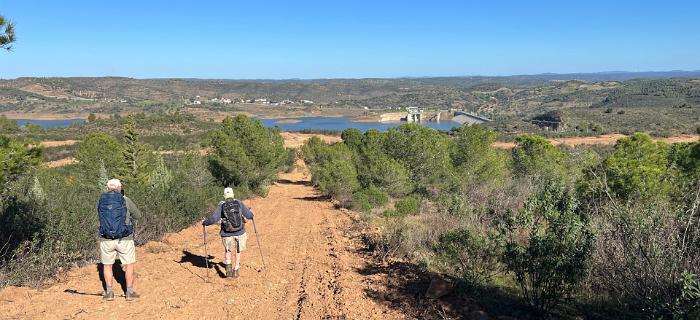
x=231 y=242
x=124 y=249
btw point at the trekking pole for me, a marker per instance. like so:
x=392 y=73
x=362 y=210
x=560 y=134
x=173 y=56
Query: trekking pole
x=206 y=254
x=257 y=238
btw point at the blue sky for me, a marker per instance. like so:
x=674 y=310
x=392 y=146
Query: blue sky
x=347 y=39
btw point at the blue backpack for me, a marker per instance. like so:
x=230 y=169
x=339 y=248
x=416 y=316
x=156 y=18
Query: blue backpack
x=112 y=212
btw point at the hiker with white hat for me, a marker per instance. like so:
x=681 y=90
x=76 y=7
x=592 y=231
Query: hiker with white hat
x=118 y=215
x=232 y=214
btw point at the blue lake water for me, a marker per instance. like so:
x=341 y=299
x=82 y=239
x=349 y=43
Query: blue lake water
x=51 y=123
x=342 y=123
x=310 y=123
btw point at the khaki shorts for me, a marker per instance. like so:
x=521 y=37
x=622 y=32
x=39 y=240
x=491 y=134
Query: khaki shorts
x=230 y=243
x=110 y=249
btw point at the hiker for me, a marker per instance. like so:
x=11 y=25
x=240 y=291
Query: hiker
x=118 y=216
x=232 y=214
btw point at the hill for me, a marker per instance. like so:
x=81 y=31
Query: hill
x=660 y=102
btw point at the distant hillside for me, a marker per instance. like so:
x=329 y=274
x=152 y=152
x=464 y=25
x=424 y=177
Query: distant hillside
x=511 y=100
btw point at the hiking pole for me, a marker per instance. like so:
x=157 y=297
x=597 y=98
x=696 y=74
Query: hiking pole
x=206 y=254
x=257 y=238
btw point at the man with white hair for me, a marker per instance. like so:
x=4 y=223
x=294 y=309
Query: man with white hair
x=118 y=215
x=231 y=213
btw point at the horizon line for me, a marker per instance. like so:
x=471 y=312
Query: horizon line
x=547 y=74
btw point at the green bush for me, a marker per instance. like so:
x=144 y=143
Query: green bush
x=8 y=125
x=97 y=150
x=390 y=213
x=360 y=202
x=556 y=256
x=475 y=156
x=535 y=155
x=638 y=167
x=376 y=196
x=246 y=153
x=368 y=198
x=337 y=178
x=388 y=174
x=471 y=255
x=424 y=151
x=407 y=206
x=16 y=158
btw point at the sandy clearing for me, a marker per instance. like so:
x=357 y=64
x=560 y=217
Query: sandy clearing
x=61 y=162
x=295 y=139
x=607 y=139
x=59 y=143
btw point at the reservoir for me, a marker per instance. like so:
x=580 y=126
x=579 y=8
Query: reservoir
x=342 y=123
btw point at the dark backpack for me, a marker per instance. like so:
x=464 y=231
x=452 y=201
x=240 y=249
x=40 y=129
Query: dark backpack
x=112 y=212
x=231 y=216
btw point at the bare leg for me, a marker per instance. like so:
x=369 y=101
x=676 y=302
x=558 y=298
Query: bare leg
x=129 y=275
x=109 y=276
x=228 y=257
x=238 y=261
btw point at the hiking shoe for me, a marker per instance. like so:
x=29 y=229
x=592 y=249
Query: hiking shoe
x=108 y=295
x=229 y=271
x=235 y=274
x=131 y=296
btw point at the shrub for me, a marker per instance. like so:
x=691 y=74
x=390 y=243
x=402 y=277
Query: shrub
x=96 y=150
x=352 y=137
x=245 y=152
x=407 y=206
x=424 y=151
x=337 y=178
x=8 y=125
x=389 y=213
x=548 y=246
x=535 y=155
x=368 y=198
x=376 y=196
x=469 y=254
x=475 y=155
x=16 y=158
x=642 y=252
x=360 y=202
x=638 y=167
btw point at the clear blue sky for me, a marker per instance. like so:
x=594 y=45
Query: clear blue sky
x=353 y=38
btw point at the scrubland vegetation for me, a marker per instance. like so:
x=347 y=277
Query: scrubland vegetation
x=48 y=219
x=571 y=231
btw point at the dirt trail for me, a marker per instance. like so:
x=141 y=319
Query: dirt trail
x=605 y=139
x=313 y=272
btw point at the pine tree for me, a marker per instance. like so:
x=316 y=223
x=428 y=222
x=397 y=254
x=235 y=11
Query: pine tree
x=161 y=177
x=7 y=37
x=37 y=192
x=102 y=182
x=132 y=149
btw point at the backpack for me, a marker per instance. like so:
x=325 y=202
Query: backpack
x=231 y=216
x=112 y=212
